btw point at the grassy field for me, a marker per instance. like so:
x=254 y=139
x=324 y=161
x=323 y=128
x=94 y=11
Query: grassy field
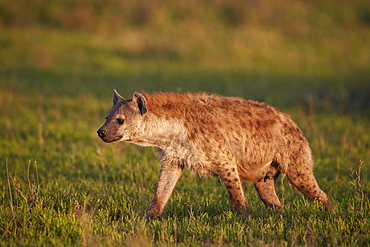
x=60 y=61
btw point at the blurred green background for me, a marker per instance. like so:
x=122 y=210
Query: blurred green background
x=282 y=52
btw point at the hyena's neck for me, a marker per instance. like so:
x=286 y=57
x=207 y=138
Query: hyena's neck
x=161 y=132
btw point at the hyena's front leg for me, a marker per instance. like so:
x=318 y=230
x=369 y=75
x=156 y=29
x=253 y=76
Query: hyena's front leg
x=233 y=184
x=167 y=181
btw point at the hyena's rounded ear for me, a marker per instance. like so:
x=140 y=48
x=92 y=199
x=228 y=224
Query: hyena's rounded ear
x=116 y=97
x=141 y=102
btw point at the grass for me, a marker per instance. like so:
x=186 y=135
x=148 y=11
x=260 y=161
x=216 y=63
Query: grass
x=60 y=185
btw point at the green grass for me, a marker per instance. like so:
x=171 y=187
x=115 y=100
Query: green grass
x=60 y=185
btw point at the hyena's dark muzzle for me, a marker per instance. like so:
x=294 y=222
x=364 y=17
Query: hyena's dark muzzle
x=108 y=135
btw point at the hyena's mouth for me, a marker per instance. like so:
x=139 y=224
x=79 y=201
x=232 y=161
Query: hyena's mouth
x=115 y=139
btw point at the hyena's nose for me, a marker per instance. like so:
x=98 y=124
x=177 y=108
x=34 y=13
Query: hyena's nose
x=101 y=133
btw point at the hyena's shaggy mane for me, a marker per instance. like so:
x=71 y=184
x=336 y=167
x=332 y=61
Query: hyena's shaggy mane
x=161 y=102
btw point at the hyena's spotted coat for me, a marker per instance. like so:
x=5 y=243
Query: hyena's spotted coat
x=232 y=138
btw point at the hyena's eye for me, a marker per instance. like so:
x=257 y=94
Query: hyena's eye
x=120 y=120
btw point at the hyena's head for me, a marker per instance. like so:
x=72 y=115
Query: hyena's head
x=124 y=120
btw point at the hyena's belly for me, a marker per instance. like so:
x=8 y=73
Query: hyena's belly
x=199 y=161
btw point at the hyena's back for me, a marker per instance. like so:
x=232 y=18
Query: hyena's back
x=232 y=138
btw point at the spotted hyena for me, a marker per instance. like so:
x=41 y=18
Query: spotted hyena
x=232 y=138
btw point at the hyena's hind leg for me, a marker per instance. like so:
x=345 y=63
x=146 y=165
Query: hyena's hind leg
x=266 y=190
x=303 y=179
